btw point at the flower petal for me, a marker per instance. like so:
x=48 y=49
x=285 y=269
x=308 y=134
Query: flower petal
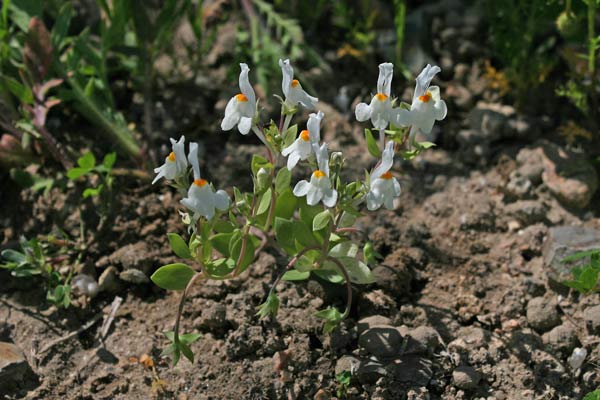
x=313 y=196
x=245 y=86
x=373 y=201
x=314 y=126
x=387 y=160
x=330 y=197
x=291 y=148
x=244 y=125
x=424 y=79
x=323 y=158
x=288 y=74
x=232 y=115
x=298 y=95
x=193 y=159
x=293 y=160
x=363 y=112
x=301 y=188
x=221 y=200
x=384 y=81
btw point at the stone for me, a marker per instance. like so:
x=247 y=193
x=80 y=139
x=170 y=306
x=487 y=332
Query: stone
x=13 y=366
x=591 y=316
x=412 y=369
x=369 y=371
x=542 y=314
x=531 y=165
x=382 y=341
x=134 y=276
x=528 y=212
x=564 y=241
x=213 y=318
x=426 y=336
x=346 y=363
x=109 y=280
x=465 y=377
x=518 y=186
x=85 y=285
x=569 y=175
x=490 y=120
x=372 y=321
x=562 y=339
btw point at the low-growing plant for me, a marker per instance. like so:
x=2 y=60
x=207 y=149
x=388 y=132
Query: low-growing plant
x=595 y=395
x=32 y=260
x=311 y=221
x=87 y=168
x=585 y=276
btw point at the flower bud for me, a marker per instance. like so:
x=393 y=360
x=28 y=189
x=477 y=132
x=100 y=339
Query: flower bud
x=263 y=179
x=337 y=159
x=567 y=24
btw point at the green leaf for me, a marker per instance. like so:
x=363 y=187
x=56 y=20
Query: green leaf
x=329 y=275
x=595 y=395
x=344 y=249
x=358 y=271
x=109 y=160
x=221 y=226
x=186 y=351
x=265 y=202
x=87 y=161
x=76 y=172
x=426 y=145
x=372 y=145
x=284 y=234
x=220 y=267
x=580 y=255
x=179 y=246
x=236 y=247
x=189 y=338
x=89 y=192
x=370 y=255
x=13 y=256
x=283 y=180
x=221 y=242
x=20 y=91
x=259 y=162
x=321 y=220
x=61 y=25
x=173 y=276
x=295 y=275
x=285 y=205
x=290 y=136
x=269 y=307
x=332 y=317
x=304 y=235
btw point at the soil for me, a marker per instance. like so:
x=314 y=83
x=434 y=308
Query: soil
x=462 y=257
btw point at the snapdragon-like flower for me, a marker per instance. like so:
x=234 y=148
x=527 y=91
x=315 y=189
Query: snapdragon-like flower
x=303 y=145
x=383 y=187
x=201 y=198
x=319 y=188
x=426 y=107
x=380 y=109
x=241 y=108
x=292 y=89
x=175 y=164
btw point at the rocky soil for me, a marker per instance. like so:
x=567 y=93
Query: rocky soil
x=467 y=303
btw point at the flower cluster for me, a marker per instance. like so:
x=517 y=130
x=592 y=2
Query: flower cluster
x=310 y=220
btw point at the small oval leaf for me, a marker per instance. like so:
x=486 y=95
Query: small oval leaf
x=180 y=248
x=173 y=276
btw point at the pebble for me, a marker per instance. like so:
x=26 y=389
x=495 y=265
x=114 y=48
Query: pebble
x=542 y=314
x=466 y=377
x=528 y=212
x=108 y=280
x=372 y=321
x=346 y=363
x=13 y=366
x=591 y=316
x=85 y=284
x=562 y=338
x=369 y=371
x=381 y=341
x=134 y=276
x=426 y=336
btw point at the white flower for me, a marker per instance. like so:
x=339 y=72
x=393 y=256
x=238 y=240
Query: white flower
x=292 y=89
x=201 y=198
x=383 y=187
x=241 y=108
x=302 y=147
x=175 y=164
x=427 y=106
x=380 y=109
x=319 y=188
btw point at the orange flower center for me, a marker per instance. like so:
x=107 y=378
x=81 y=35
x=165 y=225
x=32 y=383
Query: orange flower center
x=387 y=175
x=295 y=83
x=200 y=182
x=305 y=135
x=241 y=97
x=381 y=96
x=319 y=174
x=425 y=98
x=171 y=156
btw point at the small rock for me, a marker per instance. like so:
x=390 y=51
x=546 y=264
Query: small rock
x=562 y=338
x=85 y=284
x=542 y=314
x=108 y=281
x=369 y=371
x=372 y=321
x=528 y=212
x=518 y=185
x=564 y=241
x=426 y=336
x=577 y=358
x=213 y=318
x=591 y=316
x=531 y=165
x=466 y=377
x=134 y=276
x=13 y=366
x=322 y=394
x=381 y=341
x=490 y=120
x=346 y=363
x=412 y=369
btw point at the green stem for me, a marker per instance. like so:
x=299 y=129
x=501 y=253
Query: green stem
x=348 y=284
x=591 y=37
